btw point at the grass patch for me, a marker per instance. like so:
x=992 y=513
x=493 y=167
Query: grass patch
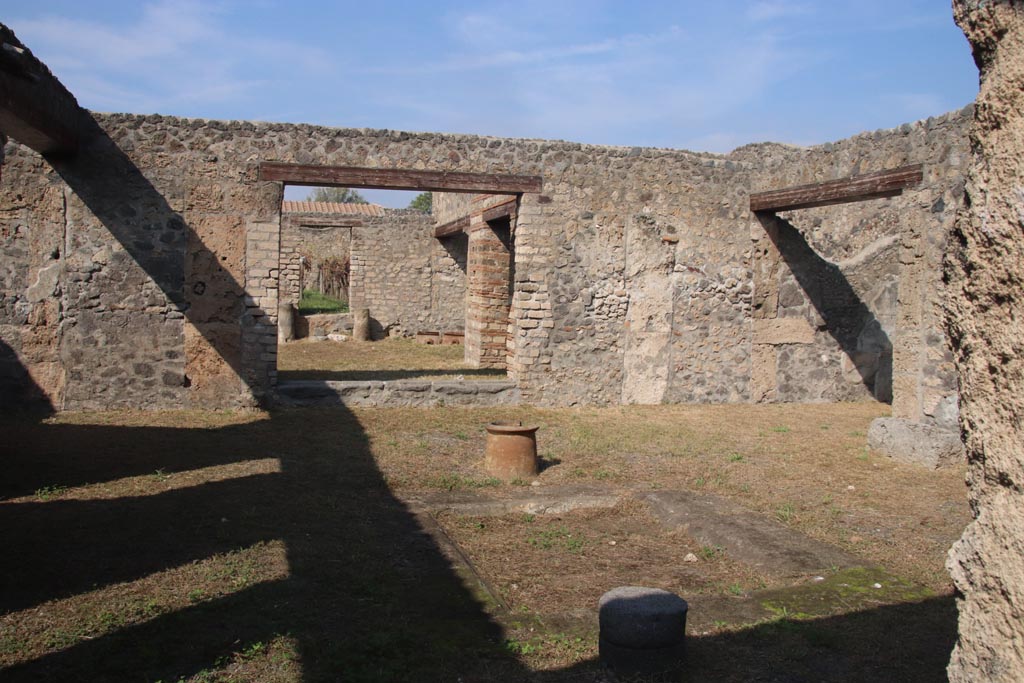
x=313 y=302
x=50 y=492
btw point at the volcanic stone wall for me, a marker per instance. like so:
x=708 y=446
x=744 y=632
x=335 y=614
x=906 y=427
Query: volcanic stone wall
x=986 y=324
x=848 y=299
x=640 y=275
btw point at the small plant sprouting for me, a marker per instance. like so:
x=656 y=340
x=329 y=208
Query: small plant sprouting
x=786 y=512
x=710 y=552
x=780 y=429
x=736 y=589
x=48 y=492
x=736 y=457
x=699 y=482
x=520 y=648
x=253 y=650
x=160 y=475
x=558 y=537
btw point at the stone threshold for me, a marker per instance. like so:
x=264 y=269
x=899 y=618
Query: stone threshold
x=749 y=537
x=397 y=393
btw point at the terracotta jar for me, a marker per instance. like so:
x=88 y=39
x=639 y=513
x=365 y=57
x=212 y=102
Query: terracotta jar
x=511 y=450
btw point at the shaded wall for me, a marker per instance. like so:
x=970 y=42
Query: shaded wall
x=848 y=298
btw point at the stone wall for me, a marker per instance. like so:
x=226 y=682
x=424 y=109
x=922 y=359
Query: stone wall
x=639 y=275
x=307 y=240
x=448 y=206
x=408 y=280
x=848 y=298
x=985 y=271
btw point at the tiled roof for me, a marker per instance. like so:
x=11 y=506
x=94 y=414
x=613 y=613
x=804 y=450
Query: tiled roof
x=333 y=207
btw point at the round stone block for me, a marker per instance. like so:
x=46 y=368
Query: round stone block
x=646 y=662
x=642 y=618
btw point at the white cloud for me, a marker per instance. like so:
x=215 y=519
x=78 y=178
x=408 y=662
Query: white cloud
x=175 y=55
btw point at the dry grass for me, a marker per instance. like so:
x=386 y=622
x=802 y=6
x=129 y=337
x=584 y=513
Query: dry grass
x=585 y=553
x=388 y=359
x=805 y=465
x=206 y=546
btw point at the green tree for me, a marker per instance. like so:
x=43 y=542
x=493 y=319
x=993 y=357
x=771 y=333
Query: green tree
x=338 y=195
x=424 y=202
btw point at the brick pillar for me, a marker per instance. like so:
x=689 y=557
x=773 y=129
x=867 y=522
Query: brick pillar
x=488 y=293
x=259 y=319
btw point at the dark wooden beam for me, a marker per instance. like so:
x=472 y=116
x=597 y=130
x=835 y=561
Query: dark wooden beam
x=35 y=108
x=503 y=210
x=399 y=179
x=452 y=227
x=888 y=183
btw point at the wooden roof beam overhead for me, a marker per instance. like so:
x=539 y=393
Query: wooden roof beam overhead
x=399 y=179
x=35 y=109
x=888 y=183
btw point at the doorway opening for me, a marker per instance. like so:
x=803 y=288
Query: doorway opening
x=432 y=271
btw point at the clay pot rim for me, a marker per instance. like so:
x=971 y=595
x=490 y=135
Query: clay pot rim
x=510 y=427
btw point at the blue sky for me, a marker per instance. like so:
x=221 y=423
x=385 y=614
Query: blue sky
x=682 y=74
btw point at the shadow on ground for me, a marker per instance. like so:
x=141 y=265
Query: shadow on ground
x=369 y=595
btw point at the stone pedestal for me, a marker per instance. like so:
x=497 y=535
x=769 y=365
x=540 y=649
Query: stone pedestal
x=916 y=442
x=285 y=322
x=643 y=631
x=511 y=451
x=361 y=325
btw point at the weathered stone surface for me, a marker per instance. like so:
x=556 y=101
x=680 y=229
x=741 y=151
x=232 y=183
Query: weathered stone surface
x=985 y=272
x=640 y=617
x=553 y=500
x=397 y=393
x=746 y=536
x=320 y=325
x=361 y=325
x=285 y=322
x=777 y=331
x=916 y=442
x=663 y=663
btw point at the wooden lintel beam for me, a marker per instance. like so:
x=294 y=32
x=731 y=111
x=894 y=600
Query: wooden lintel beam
x=452 y=227
x=888 y=183
x=503 y=210
x=35 y=108
x=399 y=179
